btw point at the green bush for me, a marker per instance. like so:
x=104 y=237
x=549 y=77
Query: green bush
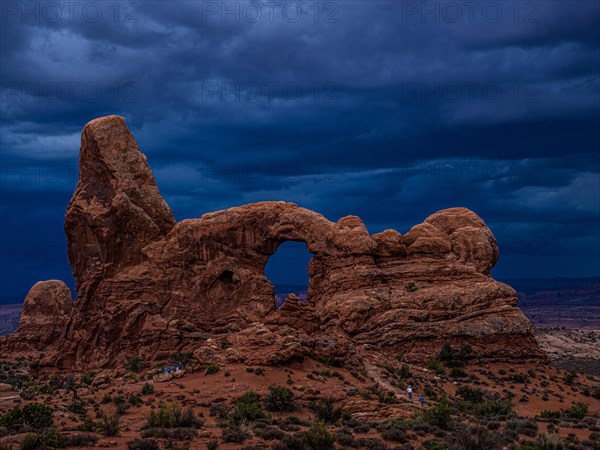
x=577 y=411
x=172 y=416
x=436 y=366
x=212 y=369
x=109 y=424
x=212 y=445
x=279 y=398
x=136 y=364
x=175 y=434
x=470 y=437
x=234 y=434
x=522 y=426
x=544 y=442
x=569 y=377
x=33 y=415
x=547 y=414
x=439 y=415
x=147 y=389
x=326 y=410
x=247 y=409
x=411 y=287
x=318 y=438
x=143 y=444
x=42 y=440
x=496 y=407
x=455 y=358
x=88 y=378
x=471 y=395
x=457 y=372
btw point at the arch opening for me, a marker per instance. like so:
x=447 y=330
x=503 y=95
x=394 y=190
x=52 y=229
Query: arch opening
x=287 y=270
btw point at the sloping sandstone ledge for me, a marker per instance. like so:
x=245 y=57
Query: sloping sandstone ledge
x=152 y=287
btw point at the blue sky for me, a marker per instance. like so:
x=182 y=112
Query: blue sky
x=389 y=110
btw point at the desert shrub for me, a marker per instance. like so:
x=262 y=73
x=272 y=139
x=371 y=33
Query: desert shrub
x=577 y=411
x=404 y=371
x=436 y=366
x=344 y=437
x=455 y=358
x=372 y=444
x=269 y=433
x=109 y=424
x=569 y=377
x=219 y=410
x=318 y=438
x=143 y=444
x=52 y=438
x=457 y=372
x=147 y=389
x=136 y=364
x=474 y=438
x=88 y=378
x=212 y=445
x=134 y=399
x=522 y=426
x=596 y=392
x=234 y=434
x=247 y=409
x=279 y=398
x=326 y=410
x=495 y=407
x=471 y=395
x=411 y=287
x=439 y=415
x=547 y=414
x=172 y=416
x=87 y=425
x=177 y=434
x=544 y=442
x=396 y=434
x=77 y=407
x=41 y=440
x=211 y=369
x=33 y=415
x=77 y=440
x=519 y=378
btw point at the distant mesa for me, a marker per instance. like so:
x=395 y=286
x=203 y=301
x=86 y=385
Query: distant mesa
x=152 y=287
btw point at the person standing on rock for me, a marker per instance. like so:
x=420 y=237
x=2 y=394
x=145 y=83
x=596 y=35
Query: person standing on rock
x=422 y=400
x=409 y=391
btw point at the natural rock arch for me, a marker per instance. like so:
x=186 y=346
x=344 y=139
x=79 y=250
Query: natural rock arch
x=151 y=287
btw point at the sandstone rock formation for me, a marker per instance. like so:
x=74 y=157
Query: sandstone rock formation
x=44 y=316
x=151 y=287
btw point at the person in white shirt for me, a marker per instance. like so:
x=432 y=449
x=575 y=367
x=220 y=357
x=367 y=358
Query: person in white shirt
x=409 y=391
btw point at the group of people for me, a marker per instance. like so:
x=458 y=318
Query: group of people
x=173 y=369
x=409 y=391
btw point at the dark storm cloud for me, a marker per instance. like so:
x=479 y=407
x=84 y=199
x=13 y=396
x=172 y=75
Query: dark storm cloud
x=388 y=110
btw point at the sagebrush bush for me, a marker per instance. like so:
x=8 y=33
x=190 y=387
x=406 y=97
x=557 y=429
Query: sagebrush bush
x=170 y=415
x=34 y=415
x=318 y=438
x=326 y=410
x=109 y=424
x=147 y=389
x=279 y=398
x=143 y=444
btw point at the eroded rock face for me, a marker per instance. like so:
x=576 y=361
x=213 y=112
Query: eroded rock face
x=46 y=311
x=150 y=287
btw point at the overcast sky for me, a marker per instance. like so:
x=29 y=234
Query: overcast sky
x=389 y=110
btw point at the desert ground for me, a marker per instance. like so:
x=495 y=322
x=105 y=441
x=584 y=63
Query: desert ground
x=469 y=404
